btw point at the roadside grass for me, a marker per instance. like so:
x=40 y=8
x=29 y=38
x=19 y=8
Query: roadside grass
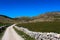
x=42 y=26
x=1 y=35
x=2 y=24
x=3 y=30
x=25 y=36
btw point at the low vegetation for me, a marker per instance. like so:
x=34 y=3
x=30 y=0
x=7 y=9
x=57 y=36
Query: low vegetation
x=25 y=36
x=2 y=30
x=42 y=26
x=2 y=24
x=1 y=34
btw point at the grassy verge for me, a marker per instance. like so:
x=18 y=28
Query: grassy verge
x=1 y=34
x=42 y=26
x=3 y=30
x=25 y=36
x=2 y=24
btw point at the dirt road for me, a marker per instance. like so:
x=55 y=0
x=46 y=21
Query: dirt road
x=10 y=34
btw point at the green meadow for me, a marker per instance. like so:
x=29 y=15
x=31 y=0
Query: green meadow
x=42 y=26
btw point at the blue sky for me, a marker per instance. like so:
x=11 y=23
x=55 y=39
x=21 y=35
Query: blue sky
x=14 y=8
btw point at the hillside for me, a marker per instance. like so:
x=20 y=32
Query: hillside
x=6 y=19
x=23 y=19
x=49 y=16
x=48 y=22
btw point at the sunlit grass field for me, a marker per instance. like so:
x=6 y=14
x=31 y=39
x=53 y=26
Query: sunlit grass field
x=42 y=26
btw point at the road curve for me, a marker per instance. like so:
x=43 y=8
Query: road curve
x=10 y=34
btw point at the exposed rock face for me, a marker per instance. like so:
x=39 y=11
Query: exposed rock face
x=40 y=35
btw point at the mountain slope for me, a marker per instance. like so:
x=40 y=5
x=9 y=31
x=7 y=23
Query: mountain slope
x=49 y=16
x=6 y=19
